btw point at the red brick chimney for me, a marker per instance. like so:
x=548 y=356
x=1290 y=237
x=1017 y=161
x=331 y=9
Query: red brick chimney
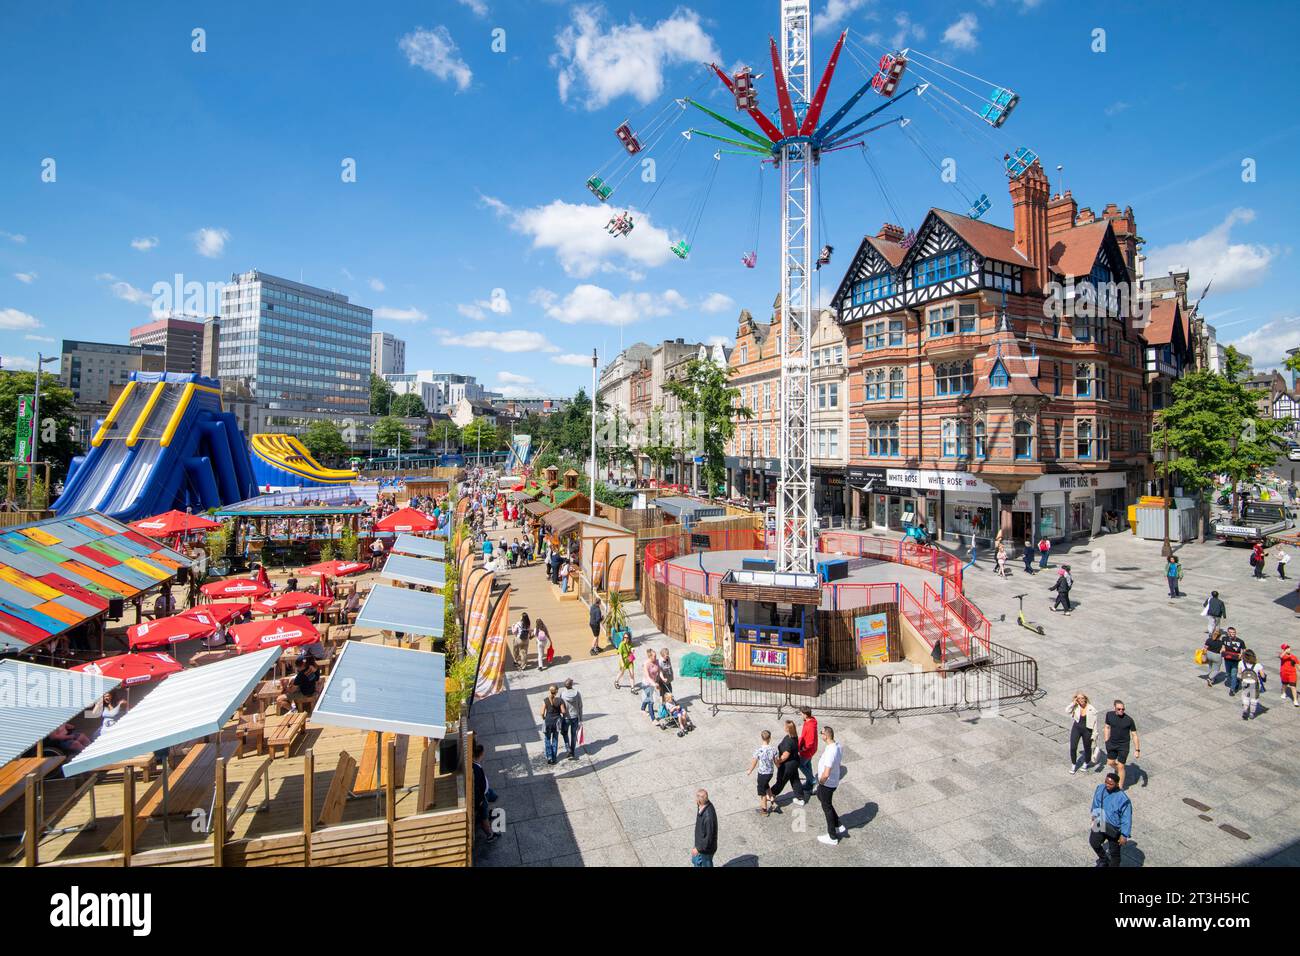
x=1029 y=194
x=1061 y=212
x=891 y=233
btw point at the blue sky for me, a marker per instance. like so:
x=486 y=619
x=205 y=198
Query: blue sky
x=468 y=228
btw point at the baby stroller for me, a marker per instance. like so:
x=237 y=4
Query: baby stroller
x=674 y=718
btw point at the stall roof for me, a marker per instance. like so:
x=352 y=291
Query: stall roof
x=537 y=509
x=254 y=508
x=184 y=707
x=408 y=543
x=35 y=699
x=402 y=609
x=604 y=524
x=688 y=509
x=422 y=571
x=61 y=572
x=560 y=521
x=389 y=689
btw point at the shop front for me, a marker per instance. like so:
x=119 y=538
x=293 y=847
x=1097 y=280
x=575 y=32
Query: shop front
x=876 y=502
x=753 y=478
x=828 y=487
x=1064 y=507
x=955 y=503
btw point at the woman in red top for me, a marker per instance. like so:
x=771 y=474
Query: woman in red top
x=807 y=749
x=1287 y=671
x=1257 y=559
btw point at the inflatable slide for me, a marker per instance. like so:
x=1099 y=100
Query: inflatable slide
x=166 y=445
x=282 y=461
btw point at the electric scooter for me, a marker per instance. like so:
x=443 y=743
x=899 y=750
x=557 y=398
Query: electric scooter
x=1020 y=618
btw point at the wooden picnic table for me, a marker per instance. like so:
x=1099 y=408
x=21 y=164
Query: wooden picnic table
x=13 y=777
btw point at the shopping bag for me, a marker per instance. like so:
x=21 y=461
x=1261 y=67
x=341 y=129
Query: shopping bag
x=1200 y=655
x=550 y=652
x=582 y=734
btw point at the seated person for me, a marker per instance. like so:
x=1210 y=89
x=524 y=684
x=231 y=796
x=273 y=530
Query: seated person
x=164 y=605
x=111 y=711
x=67 y=740
x=672 y=710
x=217 y=639
x=291 y=584
x=301 y=687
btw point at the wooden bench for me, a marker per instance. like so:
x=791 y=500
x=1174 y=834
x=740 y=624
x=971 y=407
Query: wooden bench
x=245 y=792
x=336 y=798
x=282 y=732
x=367 y=781
x=13 y=777
x=187 y=785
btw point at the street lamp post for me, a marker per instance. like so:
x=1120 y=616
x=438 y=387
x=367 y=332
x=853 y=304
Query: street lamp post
x=36 y=418
x=591 y=501
x=1167 y=550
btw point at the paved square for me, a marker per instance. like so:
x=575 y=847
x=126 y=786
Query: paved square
x=989 y=788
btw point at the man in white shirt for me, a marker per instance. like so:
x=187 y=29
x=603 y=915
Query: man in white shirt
x=828 y=778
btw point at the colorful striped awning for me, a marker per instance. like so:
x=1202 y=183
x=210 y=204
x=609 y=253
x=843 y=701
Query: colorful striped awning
x=59 y=573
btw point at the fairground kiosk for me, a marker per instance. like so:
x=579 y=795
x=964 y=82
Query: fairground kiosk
x=770 y=641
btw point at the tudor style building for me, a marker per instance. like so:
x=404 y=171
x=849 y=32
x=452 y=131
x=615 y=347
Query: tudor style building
x=996 y=378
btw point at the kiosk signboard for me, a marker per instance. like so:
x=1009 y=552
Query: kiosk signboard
x=699 y=623
x=872 y=634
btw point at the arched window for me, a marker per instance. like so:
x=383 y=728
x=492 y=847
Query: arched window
x=1024 y=439
x=1083 y=439
x=956 y=433
x=896 y=385
x=875 y=379
x=998 y=378
x=981 y=448
x=1083 y=374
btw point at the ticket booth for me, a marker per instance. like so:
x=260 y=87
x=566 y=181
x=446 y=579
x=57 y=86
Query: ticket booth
x=770 y=640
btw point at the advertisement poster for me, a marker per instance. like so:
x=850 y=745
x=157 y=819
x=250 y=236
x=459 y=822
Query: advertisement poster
x=23 y=433
x=699 y=623
x=768 y=657
x=872 y=634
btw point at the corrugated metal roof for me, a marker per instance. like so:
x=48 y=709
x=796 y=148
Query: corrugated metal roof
x=401 y=609
x=184 y=707
x=688 y=509
x=35 y=699
x=422 y=571
x=384 y=688
x=422 y=547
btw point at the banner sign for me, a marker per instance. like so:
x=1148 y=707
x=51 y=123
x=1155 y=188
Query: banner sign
x=768 y=657
x=23 y=432
x=699 y=623
x=872 y=634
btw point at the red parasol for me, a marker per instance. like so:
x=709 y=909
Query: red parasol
x=294 y=631
x=236 y=588
x=219 y=613
x=170 y=630
x=173 y=523
x=292 y=601
x=133 y=668
x=407 y=519
x=335 y=569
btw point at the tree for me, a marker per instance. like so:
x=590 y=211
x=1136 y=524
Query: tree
x=389 y=432
x=659 y=447
x=56 y=445
x=381 y=395
x=704 y=392
x=444 y=432
x=480 y=435
x=409 y=405
x=325 y=442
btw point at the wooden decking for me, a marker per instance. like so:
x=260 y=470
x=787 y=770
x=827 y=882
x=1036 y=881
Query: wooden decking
x=565 y=620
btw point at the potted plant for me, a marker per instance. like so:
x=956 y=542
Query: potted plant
x=616 y=619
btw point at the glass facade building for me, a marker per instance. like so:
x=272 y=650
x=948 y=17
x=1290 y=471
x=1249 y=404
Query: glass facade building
x=301 y=348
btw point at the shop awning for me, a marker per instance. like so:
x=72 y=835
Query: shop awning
x=537 y=509
x=35 y=699
x=402 y=609
x=186 y=706
x=562 y=521
x=422 y=571
x=420 y=547
x=383 y=688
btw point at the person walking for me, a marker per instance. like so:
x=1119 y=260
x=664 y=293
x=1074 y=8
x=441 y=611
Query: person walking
x=1173 y=574
x=572 y=723
x=1233 y=646
x=1064 y=581
x=1119 y=730
x=1000 y=561
x=706 y=831
x=665 y=671
x=1112 y=820
x=551 y=714
x=1044 y=549
x=1251 y=674
x=764 y=761
x=828 y=778
x=1258 y=556
x=482 y=818
x=1083 y=729
x=807 y=749
x=1283 y=559
x=1027 y=555
x=787 y=764
x=594 y=616
x=626 y=662
x=1213 y=656
x=544 y=651
x=1215 y=610
x=1286 y=672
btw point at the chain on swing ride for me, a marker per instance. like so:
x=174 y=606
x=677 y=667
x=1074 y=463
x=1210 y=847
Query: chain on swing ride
x=794 y=144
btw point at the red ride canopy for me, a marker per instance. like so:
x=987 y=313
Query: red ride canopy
x=133 y=668
x=173 y=522
x=219 y=613
x=335 y=569
x=293 y=601
x=407 y=519
x=170 y=630
x=237 y=588
x=294 y=631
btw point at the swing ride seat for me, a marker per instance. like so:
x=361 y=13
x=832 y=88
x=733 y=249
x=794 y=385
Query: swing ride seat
x=599 y=188
x=1019 y=161
x=892 y=66
x=824 y=256
x=750 y=259
x=1001 y=102
x=681 y=249
x=628 y=139
x=981 y=206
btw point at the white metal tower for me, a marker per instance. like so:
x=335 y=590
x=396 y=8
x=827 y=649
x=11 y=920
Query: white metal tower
x=794 y=510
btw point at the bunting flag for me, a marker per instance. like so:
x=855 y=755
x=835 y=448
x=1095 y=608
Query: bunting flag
x=615 y=582
x=492 y=663
x=476 y=626
x=599 y=558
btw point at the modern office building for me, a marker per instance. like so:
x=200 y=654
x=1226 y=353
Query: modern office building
x=387 y=354
x=300 y=347
x=181 y=339
x=90 y=369
x=208 y=361
x=440 y=391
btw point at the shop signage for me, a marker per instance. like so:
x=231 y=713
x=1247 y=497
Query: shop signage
x=1099 y=482
x=699 y=542
x=768 y=657
x=874 y=481
x=938 y=480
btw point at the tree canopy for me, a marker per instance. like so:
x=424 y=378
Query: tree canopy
x=56 y=443
x=389 y=432
x=325 y=441
x=381 y=395
x=705 y=393
x=409 y=405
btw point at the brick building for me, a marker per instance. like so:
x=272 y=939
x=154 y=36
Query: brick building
x=996 y=377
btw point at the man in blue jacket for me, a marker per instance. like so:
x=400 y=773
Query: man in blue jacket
x=1112 y=821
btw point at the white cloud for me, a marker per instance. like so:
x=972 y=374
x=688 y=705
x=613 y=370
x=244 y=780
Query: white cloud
x=510 y=378
x=434 y=51
x=596 y=66
x=210 y=242
x=346 y=274
x=719 y=340
x=498 y=304
x=1267 y=344
x=17 y=363
x=577 y=236
x=906 y=29
x=1119 y=106
x=38 y=338
x=572 y=358
x=477 y=7
x=125 y=291
x=12 y=319
x=377 y=285
x=1212 y=256
x=835 y=13
x=144 y=243
x=715 y=303
x=401 y=315
x=26 y=278
x=17 y=237
x=515 y=340
x=961 y=32
x=592 y=303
